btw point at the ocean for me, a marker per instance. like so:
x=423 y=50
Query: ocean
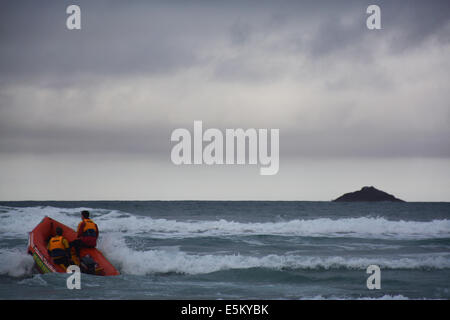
x=240 y=250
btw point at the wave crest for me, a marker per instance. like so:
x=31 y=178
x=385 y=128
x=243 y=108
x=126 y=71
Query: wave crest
x=172 y=260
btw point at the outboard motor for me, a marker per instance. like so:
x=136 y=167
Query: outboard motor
x=88 y=265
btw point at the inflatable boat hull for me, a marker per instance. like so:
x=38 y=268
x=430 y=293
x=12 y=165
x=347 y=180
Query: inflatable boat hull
x=37 y=247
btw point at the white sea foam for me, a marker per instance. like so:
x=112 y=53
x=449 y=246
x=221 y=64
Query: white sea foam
x=35 y=280
x=153 y=261
x=323 y=227
x=17 y=222
x=15 y=263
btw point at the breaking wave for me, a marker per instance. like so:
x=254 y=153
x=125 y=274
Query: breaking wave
x=15 y=263
x=172 y=260
x=19 y=221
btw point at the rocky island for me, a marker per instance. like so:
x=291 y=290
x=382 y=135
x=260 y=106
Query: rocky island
x=369 y=194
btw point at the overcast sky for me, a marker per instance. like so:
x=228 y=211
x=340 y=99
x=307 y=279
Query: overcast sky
x=88 y=114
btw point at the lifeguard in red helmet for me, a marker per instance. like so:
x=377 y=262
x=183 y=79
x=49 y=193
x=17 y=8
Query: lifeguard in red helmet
x=87 y=233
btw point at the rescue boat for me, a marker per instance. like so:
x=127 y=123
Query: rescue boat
x=91 y=260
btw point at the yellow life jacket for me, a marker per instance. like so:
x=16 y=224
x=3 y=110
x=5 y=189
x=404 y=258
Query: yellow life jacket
x=89 y=228
x=56 y=243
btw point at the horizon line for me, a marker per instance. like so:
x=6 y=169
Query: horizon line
x=214 y=200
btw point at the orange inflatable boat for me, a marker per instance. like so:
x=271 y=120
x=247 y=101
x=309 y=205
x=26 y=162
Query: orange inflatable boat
x=91 y=260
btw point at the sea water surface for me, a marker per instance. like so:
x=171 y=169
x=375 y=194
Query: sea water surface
x=240 y=250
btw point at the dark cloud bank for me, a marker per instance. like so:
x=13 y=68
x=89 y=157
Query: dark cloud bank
x=238 y=46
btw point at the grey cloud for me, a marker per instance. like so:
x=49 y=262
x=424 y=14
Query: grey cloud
x=329 y=32
x=58 y=139
x=365 y=143
x=159 y=37
x=120 y=40
x=415 y=21
x=240 y=33
x=135 y=40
